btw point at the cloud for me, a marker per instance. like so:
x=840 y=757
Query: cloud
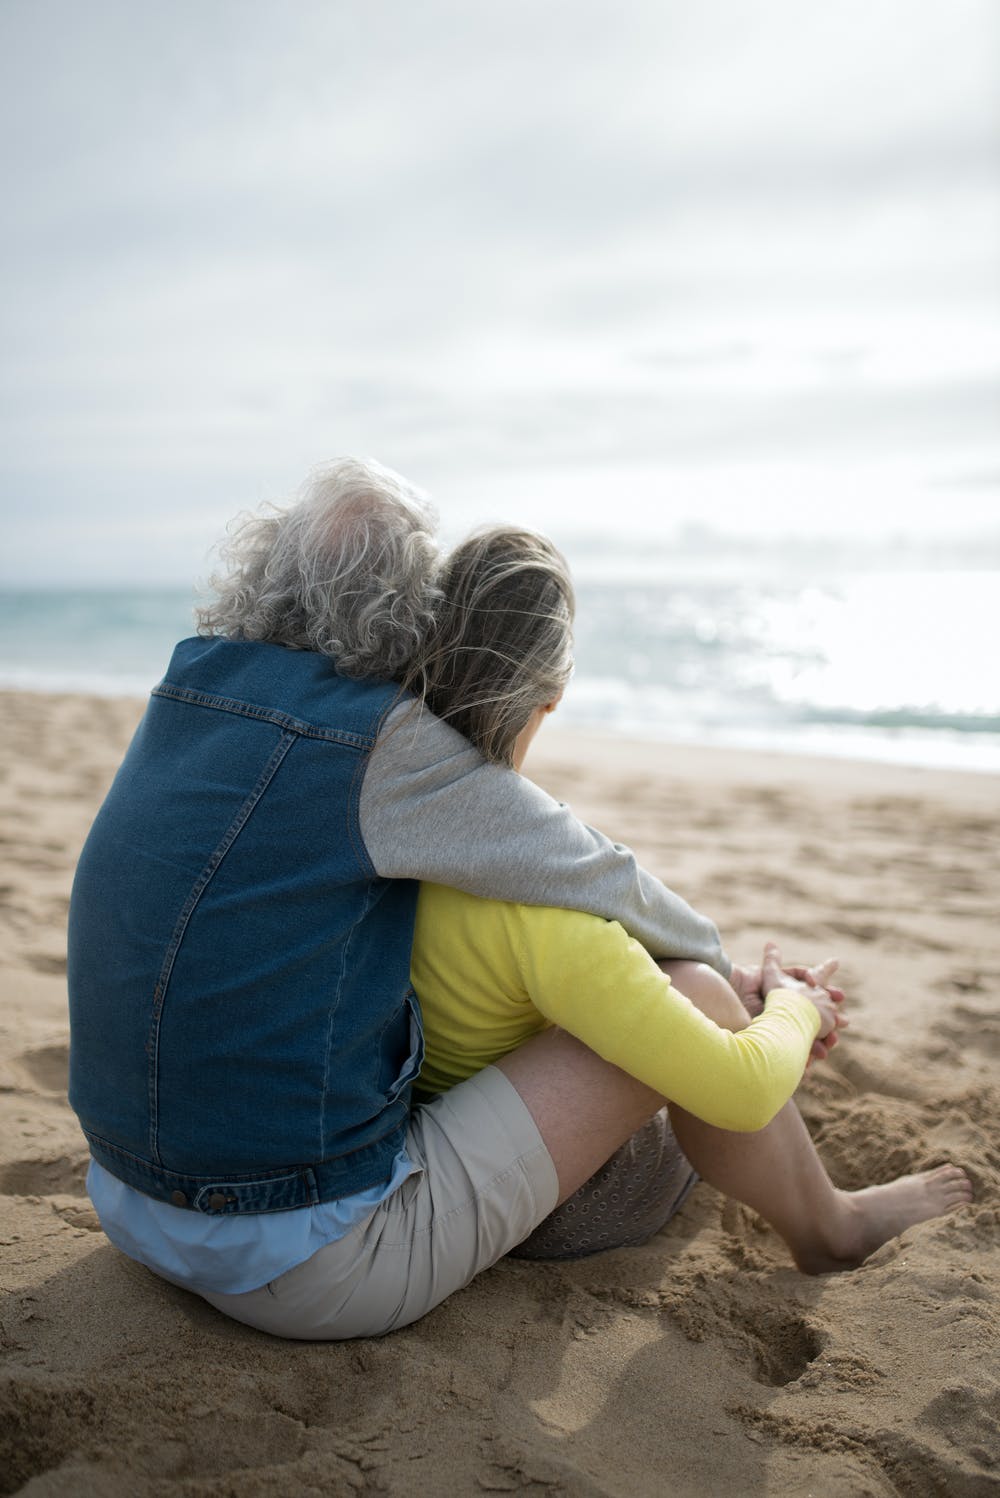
x=241 y=237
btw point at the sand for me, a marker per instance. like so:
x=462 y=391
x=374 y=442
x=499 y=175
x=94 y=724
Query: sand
x=700 y=1364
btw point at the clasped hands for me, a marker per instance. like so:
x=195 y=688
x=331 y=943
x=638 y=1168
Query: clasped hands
x=753 y=984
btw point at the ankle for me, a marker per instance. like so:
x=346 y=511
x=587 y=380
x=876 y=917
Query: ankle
x=837 y=1243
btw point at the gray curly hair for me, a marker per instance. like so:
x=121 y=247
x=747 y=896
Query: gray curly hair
x=348 y=571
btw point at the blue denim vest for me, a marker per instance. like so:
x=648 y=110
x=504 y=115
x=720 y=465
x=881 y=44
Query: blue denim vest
x=243 y=1030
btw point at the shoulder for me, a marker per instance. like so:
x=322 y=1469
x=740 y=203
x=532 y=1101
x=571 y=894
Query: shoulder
x=411 y=735
x=417 y=754
x=466 y=933
x=442 y=907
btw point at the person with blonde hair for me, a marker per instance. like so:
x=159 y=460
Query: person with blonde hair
x=490 y=975
x=244 y=1033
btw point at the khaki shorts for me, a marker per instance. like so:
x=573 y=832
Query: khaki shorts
x=484 y=1181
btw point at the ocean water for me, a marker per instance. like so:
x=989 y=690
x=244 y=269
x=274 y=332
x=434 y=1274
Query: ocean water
x=898 y=666
x=875 y=662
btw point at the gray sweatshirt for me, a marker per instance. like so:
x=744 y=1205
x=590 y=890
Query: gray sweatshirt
x=432 y=808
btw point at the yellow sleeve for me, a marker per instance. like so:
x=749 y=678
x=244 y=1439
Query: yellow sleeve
x=593 y=980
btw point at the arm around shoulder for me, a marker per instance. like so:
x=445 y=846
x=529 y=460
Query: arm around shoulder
x=433 y=808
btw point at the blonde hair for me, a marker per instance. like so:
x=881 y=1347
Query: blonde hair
x=501 y=642
x=348 y=571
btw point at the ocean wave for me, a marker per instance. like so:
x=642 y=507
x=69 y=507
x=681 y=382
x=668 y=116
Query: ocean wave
x=881 y=666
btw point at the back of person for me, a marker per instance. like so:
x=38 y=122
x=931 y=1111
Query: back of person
x=214 y=904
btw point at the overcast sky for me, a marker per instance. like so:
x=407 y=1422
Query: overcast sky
x=586 y=265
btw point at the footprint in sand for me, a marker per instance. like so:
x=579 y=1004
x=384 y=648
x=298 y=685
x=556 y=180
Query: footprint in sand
x=46 y=962
x=865 y=1078
x=777 y=1342
x=47 y=1067
x=890 y=938
x=76 y=1214
x=784 y=1345
x=884 y=1455
x=46 y=1425
x=973 y=1028
x=971 y=980
x=915 y=1467
x=963 y=1415
x=64 y=1176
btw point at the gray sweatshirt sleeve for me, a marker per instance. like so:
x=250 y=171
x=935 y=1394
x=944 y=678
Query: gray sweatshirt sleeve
x=432 y=808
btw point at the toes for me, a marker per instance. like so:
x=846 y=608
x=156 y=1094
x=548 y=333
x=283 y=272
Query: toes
x=953 y=1173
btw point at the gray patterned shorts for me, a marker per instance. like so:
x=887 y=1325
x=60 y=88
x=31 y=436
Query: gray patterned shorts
x=624 y=1203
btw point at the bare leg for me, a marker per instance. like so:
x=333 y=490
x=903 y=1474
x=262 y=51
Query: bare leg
x=778 y=1173
x=585 y=1109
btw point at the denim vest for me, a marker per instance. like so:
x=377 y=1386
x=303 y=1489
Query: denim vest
x=243 y=1031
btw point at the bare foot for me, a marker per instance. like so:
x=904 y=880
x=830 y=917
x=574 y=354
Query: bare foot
x=872 y=1216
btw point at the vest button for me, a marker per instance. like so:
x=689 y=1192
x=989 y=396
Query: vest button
x=178 y=1198
x=216 y=1201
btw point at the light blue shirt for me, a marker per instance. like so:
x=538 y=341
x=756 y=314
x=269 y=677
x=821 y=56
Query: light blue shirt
x=227 y=1255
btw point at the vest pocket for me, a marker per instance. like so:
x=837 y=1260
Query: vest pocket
x=414 y=1060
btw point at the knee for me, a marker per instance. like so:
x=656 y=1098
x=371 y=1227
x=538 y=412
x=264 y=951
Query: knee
x=708 y=991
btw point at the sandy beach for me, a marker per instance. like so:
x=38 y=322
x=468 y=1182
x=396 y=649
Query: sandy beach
x=699 y=1364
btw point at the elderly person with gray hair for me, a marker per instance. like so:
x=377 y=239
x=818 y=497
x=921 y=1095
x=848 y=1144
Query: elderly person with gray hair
x=244 y=1033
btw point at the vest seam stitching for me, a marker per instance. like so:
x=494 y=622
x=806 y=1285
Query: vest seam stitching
x=180 y=928
x=369 y=901
x=285 y=721
x=284 y=1172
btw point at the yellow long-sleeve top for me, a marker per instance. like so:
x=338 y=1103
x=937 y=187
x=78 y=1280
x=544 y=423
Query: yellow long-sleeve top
x=490 y=974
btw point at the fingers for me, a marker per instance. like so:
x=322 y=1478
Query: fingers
x=771 y=970
x=820 y=1049
x=772 y=954
x=819 y=974
x=775 y=973
x=815 y=975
